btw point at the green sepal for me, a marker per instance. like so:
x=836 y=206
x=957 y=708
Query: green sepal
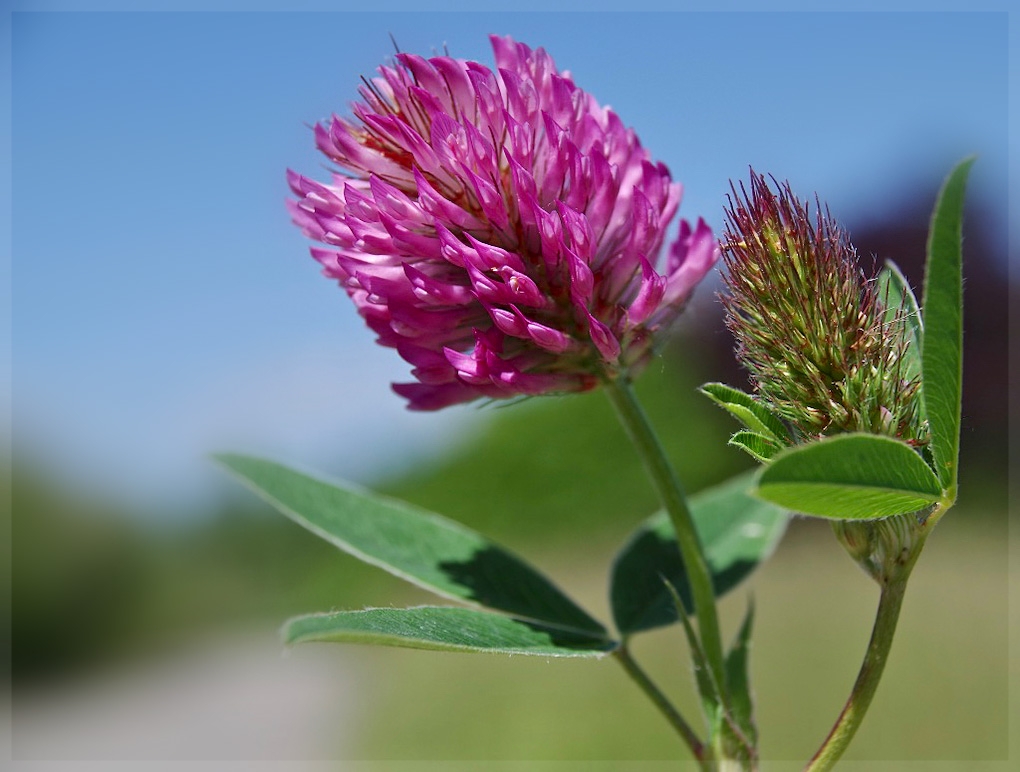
x=903 y=319
x=749 y=411
x=757 y=446
x=715 y=700
x=708 y=688
x=738 y=682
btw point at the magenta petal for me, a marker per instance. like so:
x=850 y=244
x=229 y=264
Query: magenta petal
x=453 y=250
x=497 y=226
x=644 y=225
x=604 y=340
x=510 y=322
x=425 y=76
x=468 y=367
x=440 y=207
x=691 y=257
x=430 y=366
x=422 y=396
x=582 y=281
x=489 y=199
x=429 y=289
x=578 y=229
x=391 y=200
x=458 y=85
x=521 y=288
x=493 y=258
x=602 y=200
x=546 y=383
x=551 y=340
x=505 y=286
x=653 y=287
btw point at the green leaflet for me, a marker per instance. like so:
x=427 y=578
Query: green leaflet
x=421 y=547
x=737 y=531
x=850 y=476
x=441 y=628
x=942 y=347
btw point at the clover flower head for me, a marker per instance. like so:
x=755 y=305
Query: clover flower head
x=821 y=345
x=499 y=228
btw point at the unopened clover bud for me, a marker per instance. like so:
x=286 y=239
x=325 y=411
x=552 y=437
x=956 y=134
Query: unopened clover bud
x=823 y=350
x=828 y=353
x=886 y=549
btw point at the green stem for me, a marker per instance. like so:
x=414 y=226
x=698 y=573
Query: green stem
x=633 y=417
x=856 y=706
x=660 y=700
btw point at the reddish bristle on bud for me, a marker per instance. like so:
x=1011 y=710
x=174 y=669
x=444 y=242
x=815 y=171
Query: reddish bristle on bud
x=820 y=345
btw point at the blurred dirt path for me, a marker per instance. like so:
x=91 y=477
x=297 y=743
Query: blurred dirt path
x=243 y=697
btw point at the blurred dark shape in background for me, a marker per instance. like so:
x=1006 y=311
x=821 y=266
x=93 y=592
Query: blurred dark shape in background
x=91 y=584
x=78 y=568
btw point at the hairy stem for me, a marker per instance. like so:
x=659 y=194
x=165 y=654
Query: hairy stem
x=870 y=674
x=671 y=492
x=662 y=702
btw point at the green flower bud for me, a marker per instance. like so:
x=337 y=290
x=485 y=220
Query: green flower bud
x=825 y=352
x=822 y=349
x=886 y=549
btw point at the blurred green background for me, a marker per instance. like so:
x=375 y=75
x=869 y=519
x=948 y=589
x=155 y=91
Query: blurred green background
x=555 y=479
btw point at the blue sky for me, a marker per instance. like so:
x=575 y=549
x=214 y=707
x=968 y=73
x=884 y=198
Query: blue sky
x=164 y=307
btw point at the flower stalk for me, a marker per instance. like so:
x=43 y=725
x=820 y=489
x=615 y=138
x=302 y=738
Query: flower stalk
x=830 y=352
x=865 y=686
x=672 y=715
x=671 y=493
x=892 y=574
